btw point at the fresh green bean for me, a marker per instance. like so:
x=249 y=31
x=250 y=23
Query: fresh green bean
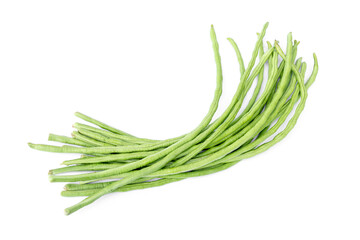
x=125 y=138
x=84 y=138
x=86 y=167
x=102 y=138
x=126 y=188
x=68 y=140
x=109 y=158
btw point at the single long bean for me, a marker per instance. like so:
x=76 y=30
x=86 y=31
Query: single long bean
x=86 y=167
x=68 y=140
x=84 y=138
x=109 y=158
x=125 y=138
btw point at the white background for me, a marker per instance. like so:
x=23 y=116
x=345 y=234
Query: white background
x=147 y=67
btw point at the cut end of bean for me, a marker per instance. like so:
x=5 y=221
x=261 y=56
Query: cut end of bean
x=50 y=172
x=51 y=178
x=51 y=137
x=67 y=212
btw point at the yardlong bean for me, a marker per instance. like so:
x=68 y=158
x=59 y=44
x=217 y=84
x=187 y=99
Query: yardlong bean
x=116 y=161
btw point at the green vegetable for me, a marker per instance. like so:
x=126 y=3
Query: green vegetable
x=116 y=161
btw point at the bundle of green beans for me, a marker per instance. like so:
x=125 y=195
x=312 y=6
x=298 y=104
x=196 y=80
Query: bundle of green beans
x=116 y=161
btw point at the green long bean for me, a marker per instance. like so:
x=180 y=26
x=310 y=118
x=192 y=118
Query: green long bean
x=116 y=161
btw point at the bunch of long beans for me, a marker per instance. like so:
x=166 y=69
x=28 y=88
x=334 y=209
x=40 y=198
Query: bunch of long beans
x=116 y=161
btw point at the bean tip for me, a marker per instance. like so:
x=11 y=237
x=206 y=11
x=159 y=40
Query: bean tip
x=289 y=36
x=315 y=57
